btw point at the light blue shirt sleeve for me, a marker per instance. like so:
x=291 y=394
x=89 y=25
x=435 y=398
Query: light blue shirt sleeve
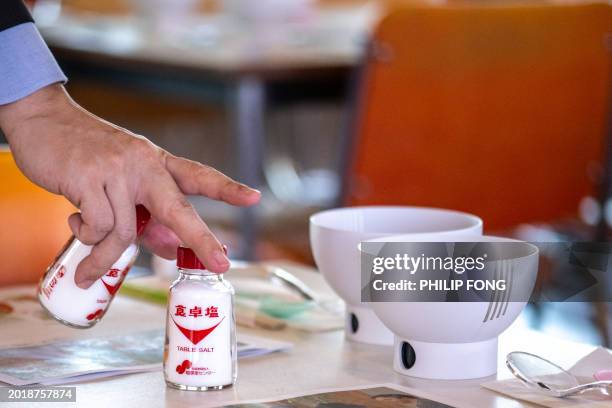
x=26 y=64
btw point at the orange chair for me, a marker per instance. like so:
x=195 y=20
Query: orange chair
x=33 y=225
x=497 y=110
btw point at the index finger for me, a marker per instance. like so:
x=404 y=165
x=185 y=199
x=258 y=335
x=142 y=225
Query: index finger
x=169 y=206
x=196 y=178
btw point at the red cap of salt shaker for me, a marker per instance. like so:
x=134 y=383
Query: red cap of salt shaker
x=187 y=259
x=142 y=218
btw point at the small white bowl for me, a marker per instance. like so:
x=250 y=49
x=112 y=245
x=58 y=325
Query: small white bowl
x=456 y=340
x=336 y=234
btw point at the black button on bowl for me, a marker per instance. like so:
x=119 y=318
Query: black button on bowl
x=354 y=323
x=408 y=355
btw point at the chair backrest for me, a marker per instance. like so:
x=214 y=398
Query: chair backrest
x=496 y=110
x=33 y=225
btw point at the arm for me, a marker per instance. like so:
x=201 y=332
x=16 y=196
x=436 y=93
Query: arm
x=105 y=171
x=26 y=64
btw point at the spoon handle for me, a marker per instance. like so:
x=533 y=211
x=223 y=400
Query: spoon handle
x=584 y=387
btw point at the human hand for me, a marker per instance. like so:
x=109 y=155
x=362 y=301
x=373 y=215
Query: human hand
x=105 y=171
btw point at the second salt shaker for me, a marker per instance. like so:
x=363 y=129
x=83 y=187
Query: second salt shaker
x=200 y=347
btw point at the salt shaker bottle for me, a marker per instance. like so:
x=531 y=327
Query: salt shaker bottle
x=200 y=347
x=59 y=294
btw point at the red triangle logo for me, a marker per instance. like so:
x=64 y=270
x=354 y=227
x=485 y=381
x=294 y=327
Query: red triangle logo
x=196 y=336
x=111 y=289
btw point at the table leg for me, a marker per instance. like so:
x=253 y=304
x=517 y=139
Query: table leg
x=247 y=108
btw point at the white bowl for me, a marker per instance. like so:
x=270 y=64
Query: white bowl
x=336 y=234
x=456 y=340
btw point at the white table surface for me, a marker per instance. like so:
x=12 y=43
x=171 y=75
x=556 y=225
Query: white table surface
x=317 y=361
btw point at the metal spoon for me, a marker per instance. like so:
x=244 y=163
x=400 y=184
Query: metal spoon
x=283 y=277
x=547 y=377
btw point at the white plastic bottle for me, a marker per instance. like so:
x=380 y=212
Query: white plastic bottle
x=59 y=294
x=200 y=348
